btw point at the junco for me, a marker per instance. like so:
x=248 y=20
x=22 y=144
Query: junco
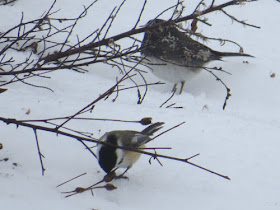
x=111 y=158
x=174 y=56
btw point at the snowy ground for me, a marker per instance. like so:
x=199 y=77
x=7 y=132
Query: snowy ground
x=241 y=141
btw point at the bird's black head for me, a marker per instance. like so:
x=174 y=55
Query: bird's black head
x=107 y=154
x=163 y=26
x=155 y=22
x=156 y=35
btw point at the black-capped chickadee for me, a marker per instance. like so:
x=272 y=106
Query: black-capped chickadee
x=111 y=158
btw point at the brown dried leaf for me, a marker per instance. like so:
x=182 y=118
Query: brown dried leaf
x=110 y=187
x=146 y=121
x=2 y=90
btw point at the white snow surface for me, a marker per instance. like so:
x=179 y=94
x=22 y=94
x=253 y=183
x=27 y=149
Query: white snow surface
x=241 y=141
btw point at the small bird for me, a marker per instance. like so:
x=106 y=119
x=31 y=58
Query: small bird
x=111 y=158
x=174 y=56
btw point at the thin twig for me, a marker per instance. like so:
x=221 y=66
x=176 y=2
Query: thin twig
x=71 y=179
x=39 y=151
x=224 y=84
x=172 y=95
x=167 y=130
x=239 y=21
x=140 y=15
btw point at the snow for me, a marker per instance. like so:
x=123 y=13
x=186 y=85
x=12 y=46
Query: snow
x=241 y=141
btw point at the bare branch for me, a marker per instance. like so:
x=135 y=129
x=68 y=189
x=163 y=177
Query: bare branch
x=82 y=139
x=106 y=41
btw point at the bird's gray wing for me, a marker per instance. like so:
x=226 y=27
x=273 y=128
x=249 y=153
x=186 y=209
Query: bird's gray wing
x=134 y=139
x=183 y=48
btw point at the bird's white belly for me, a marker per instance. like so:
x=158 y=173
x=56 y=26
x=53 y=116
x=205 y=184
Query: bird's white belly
x=129 y=157
x=171 y=72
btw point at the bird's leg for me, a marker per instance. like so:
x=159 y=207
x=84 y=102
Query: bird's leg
x=182 y=87
x=174 y=89
x=122 y=175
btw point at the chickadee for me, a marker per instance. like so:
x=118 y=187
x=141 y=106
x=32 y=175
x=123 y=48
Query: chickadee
x=111 y=158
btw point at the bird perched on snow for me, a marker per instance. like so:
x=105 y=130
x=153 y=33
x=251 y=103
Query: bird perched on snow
x=111 y=158
x=174 y=56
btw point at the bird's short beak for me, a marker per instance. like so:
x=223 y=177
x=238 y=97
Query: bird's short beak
x=142 y=26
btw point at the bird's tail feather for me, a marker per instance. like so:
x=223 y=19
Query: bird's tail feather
x=152 y=128
x=231 y=54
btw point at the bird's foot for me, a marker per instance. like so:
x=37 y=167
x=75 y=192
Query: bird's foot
x=112 y=175
x=121 y=177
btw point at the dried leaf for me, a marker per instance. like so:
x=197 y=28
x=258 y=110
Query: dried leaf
x=80 y=189
x=110 y=187
x=2 y=90
x=146 y=121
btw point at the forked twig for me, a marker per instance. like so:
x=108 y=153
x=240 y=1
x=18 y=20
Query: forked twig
x=224 y=84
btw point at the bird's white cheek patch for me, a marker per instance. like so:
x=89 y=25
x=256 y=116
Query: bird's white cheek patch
x=120 y=154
